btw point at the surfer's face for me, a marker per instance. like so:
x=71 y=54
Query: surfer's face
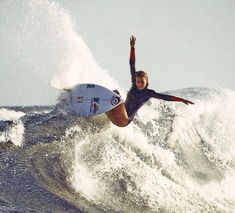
x=140 y=82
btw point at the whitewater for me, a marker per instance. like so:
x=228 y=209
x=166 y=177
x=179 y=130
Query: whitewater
x=172 y=158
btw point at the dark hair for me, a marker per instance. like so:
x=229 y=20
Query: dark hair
x=142 y=74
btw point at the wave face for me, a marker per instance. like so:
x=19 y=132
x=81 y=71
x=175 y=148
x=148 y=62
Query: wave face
x=172 y=158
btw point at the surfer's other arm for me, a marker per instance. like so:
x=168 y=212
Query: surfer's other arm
x=132 y=58
x=170 y=98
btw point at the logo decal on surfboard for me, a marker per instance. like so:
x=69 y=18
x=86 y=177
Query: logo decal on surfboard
x=115 y=100
x=94 y=107
x=79 y=99
x=90 y=86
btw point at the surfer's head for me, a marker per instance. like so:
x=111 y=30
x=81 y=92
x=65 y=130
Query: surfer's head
x=141 y=80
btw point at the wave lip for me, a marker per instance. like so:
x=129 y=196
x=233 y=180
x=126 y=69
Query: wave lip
x=6 y=114
x=11 y=127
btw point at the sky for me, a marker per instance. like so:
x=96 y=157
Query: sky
x=180 y=44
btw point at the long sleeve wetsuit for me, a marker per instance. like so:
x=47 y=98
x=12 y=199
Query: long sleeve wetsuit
x=135 y=97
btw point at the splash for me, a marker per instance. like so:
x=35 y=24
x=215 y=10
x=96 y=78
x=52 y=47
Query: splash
x=171 y=162
x=13 y=127
x=40 y=42
x=6 y=114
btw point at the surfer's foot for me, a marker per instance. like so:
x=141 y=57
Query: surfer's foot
x=116 y=91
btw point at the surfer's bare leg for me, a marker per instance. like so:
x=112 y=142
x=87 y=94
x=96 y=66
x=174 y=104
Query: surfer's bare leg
x=118 y=115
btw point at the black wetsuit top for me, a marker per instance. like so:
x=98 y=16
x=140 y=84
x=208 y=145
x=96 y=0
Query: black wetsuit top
x=136 y=98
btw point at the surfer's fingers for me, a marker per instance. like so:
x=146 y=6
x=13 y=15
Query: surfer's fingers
x=190 y=102
x=132 y=38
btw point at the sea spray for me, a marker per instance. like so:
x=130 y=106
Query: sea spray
x=132 y=170
x=12 y=126
x=42 y=47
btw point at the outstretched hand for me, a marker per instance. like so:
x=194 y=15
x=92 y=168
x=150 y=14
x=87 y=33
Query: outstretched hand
x=187 y=102
x=132 y=41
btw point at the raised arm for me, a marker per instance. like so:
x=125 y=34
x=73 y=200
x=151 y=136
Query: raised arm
x=169 y=98
x=132 y=59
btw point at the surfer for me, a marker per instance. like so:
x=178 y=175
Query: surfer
x=138 y=94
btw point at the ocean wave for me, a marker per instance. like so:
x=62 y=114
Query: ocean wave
x=172 y=158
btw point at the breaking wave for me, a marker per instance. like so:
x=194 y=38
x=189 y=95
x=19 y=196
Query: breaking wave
x=171 y=158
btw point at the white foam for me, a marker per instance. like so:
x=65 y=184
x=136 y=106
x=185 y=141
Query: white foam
x=166 y=178
x=6 y=114
x=44 y=44
x=15 y=132
x=81 y=179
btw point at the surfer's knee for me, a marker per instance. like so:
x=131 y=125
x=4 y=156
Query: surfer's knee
x=124 y=123
x=118 y=115
x=117 y=121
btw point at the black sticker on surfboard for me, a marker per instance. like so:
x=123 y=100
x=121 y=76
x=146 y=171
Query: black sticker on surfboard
x=79 y=99
x=115 y=100
x=90 y=86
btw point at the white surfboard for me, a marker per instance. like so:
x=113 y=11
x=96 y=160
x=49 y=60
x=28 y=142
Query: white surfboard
x=92 y=99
